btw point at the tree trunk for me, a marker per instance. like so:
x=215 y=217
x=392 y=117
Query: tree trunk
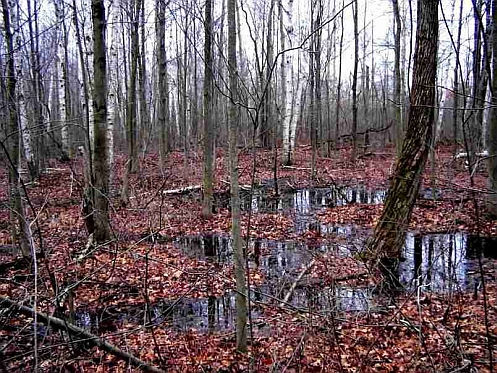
x=18 y=44
x=132 y=99
x=389 y=235
x=62 y=78
x=397 y=98
x=145 y=129
x=354 y=84
x=291 y=98
x=112 y=92
x=241 y=287
x=20 y=227
x=131 y=112
x=36 y=85
x=162 y=77
x=455 y=112
x=101 y=149
x=312 y=94
x=208 y=125
x=492 y=138
x=339 y=84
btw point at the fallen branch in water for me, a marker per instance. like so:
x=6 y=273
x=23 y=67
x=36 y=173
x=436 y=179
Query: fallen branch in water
x=92 y=339
x=297 y=280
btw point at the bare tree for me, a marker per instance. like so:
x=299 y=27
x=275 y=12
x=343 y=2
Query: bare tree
x=239 y=259
x=20 y=229
x=397 y=76
x=21 y=102
x=208 y=125
x=101 y=149
x=162 y=79
x=291 y=92
x=354 y=83
x=61 y=72
x=492 y=138
x=389 y=234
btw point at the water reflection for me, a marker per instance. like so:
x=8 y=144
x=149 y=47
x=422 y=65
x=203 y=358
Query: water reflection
x=305 y=201
x=444 y=262
x=203 y=314
x=436 y=262
x=270 y=255
x=210 y=247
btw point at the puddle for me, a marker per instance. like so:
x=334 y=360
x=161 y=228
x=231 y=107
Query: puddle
x=439 y=262
x=447 y=262
x=304 y=201
x=436 y=262
x=202 y=314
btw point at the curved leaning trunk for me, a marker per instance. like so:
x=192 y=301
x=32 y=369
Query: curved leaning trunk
x=389 y=234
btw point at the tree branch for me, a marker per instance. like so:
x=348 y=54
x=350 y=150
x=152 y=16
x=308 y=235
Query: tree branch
x=94 y=340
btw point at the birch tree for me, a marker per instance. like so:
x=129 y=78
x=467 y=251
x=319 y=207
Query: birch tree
x=19 y=60
x=290 y=82
x=20 y=229
x=112 y=88
x=61 y=68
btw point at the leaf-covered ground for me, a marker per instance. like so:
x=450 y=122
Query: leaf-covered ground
x=350 y=322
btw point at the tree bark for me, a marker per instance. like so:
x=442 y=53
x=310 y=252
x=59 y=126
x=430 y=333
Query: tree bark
x=492 y=138
x=389 y=235
x=208 y=125
x=354 y=83
x=101 y=149
x=339 y=83
x=21 y=106
x=132 y=99
x=20 y=229
x=397 y=98
x=291 y=99
x=241 y=287
x=62 y=76
x=162 y=78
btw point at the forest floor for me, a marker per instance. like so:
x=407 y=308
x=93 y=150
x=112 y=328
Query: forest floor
x=163 y=289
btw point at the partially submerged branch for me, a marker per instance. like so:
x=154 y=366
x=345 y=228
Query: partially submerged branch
x=92 y=339
x=297 y=280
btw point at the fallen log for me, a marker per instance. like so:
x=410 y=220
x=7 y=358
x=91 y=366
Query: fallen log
x=295 y=283
x=184 y=190
x=92 y=339
x=295 y=168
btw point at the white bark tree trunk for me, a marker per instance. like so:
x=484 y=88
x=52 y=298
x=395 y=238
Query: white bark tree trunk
x=87 y=31
x=112 y=91
x=19 y=75
x=291 y=99
x=61 y=84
